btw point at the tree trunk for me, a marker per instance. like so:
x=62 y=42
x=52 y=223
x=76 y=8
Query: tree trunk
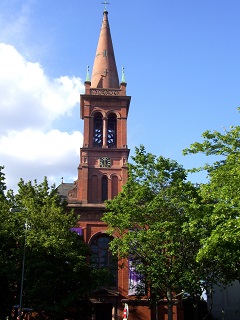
x=170 y=304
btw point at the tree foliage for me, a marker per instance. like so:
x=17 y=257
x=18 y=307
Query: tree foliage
x=2 y=183
x=221 y=197
x=56 y=275
x=150 y=220
x=5 y=243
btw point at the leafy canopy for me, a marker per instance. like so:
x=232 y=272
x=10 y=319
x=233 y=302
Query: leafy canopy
x=150 y=220
x=56 y=274
x=221 y=196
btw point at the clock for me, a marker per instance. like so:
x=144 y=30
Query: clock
x=105 y=162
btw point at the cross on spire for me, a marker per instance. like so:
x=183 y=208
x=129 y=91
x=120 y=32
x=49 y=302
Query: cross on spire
x=105 y=5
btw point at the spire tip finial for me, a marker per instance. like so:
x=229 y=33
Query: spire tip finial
x=88 y=75
x=123 y=76
x=105 y=5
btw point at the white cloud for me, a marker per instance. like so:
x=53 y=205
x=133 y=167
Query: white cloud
x=34 y=154
x=29 y=104
x=49 y=148
x=28 y=97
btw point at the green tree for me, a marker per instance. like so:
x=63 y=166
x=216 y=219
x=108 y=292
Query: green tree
x=150 y=221
x=221 y=197
x=5 y=246
x=2 y=183
x=57 y=276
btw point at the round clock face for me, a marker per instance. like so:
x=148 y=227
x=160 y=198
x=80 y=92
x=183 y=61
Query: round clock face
x=105 y=162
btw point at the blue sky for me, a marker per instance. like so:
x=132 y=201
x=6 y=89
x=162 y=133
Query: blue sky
x=182 y=67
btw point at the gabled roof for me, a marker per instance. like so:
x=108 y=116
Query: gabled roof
x=64 y=188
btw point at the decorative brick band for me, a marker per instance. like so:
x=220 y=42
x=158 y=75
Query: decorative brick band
x=105 y=92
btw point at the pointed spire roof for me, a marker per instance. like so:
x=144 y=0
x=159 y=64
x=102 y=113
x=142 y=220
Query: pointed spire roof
x=104 y=74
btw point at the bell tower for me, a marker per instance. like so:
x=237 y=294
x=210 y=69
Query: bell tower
x=103 y=157
x=104 y=109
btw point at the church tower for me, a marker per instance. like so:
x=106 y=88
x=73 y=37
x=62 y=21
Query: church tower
x=104 y=109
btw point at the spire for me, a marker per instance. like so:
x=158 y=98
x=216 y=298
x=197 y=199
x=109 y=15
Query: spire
x=104 y=74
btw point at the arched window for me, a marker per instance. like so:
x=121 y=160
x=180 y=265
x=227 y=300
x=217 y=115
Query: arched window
x=104 y=188
x=112 y=131
x=114 y=186
x=101 y=256
x=98 y=130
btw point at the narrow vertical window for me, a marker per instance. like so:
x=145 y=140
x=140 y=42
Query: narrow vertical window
x=112 y=131
x=98 y=130
x=104 y=188
x=114 y=186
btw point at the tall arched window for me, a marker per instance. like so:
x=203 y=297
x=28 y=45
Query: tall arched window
x=114 y=186
x=104 y=188
x=101 y=256
x=98 y=130
x=112 y=131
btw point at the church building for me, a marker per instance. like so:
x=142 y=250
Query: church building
x=102 y=172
